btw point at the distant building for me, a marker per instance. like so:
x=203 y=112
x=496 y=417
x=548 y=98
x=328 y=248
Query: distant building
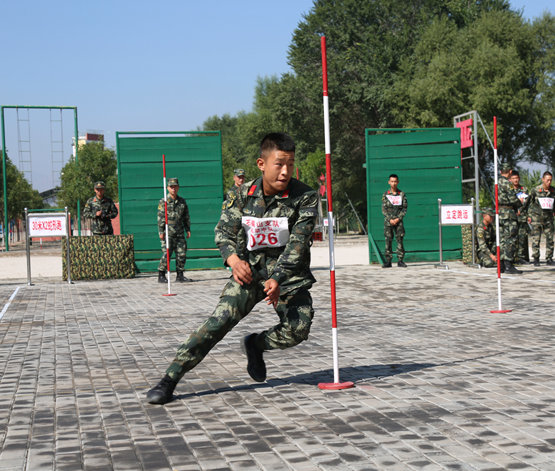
x=49 y=197
x=92 y=135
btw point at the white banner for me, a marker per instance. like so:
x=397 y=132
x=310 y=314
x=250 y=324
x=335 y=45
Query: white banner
x=546 y=203
x=47 y=226
x=327 y=222
x=456 y=214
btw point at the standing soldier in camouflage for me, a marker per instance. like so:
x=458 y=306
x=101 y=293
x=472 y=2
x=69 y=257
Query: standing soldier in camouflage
x=486 y=246
x=101 y=210
x=278 y=213
x=394 y=209
x=509 y=203
x=239 y=179
x=540 y=215
x=523 y=229
x=178 y=223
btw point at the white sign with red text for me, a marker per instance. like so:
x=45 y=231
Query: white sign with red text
x=395 y=200
x=265 y=233
x=546 y=203
x=47 y=226
x=456 y=214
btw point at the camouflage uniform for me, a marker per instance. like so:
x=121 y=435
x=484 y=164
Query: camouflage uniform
x=522 y=226
x=101 y=225
x=289 y=265
x=508 y=223
x=391 y=211
x=241 y=237
x=178 y=223
x=542 y=221
x=485 y=244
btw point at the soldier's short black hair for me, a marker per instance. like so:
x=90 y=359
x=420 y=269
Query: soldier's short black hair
x=276 y=141
x=393 y=176
x=547 y=173
x=515 y=172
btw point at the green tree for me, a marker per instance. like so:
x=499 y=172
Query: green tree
x=95 y=163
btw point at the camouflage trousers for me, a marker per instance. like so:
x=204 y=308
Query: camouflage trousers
x=485 y=260
x=508 y=239
x=398 y=232
x=236 y=302
x=547 y=229
x=522 y=244
x=178 y=244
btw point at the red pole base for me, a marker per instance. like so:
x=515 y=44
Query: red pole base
x=169 y=294
x=502 y=311
x=344 y=385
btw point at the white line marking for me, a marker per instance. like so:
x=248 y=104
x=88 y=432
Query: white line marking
x=7 y=305
x=503 y=277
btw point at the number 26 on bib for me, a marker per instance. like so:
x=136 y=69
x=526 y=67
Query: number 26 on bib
x=263 y=233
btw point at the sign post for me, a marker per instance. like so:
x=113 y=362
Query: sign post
x=454 y=215
x=169 y=293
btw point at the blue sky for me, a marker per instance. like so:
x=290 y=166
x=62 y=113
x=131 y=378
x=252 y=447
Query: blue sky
x=140 y=66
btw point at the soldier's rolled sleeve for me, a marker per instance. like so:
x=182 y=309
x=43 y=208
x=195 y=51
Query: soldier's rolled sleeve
x=226 y=232
x=294 y=254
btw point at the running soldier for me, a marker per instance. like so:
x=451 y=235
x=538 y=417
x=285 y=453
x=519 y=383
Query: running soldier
x=278 y=214
x=523 y=229
x=486 y=247
x=101 y=210
x=540 y=215
x=394 y=209
x=178 y=223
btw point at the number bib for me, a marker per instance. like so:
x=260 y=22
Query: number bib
x=395 y=200
x=546 y=203
x=263 y=233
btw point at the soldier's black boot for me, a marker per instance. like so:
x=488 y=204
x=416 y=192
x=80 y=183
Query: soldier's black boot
x=523 y=262
x=536 y=262
x=401 y=264
x=550 y=262
x=162 y=393
x=162 y=277
x=511 y=269
x=502 y=266
x=386 y=265
x=180 y=278
x=256 y=368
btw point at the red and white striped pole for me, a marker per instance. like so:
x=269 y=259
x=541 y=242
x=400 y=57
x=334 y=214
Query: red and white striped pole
x=336 y=383
x=500 y=308
x=169 y=293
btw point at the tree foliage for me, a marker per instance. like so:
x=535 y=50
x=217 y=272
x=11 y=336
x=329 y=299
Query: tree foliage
x=95 y=163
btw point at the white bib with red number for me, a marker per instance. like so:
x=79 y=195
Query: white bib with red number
x=395 y=200
x=263 y=233
x=546 y=203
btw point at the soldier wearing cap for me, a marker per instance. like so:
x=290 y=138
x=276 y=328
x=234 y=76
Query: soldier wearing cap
x=485 y=240
x=178 y=223
x=523 y=230
x=239 y=179
x=509 y=204
x=540 y=216
x=101 y=210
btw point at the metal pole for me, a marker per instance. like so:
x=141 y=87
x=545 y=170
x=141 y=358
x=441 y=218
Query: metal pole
x=473 y=236
x=76 y=156
x=354 y=211
x=476 y=171
x=336 y=384
x=441 y=264
x=167 y=235
x=28 y=247
x=67 y=246
x=6 y=242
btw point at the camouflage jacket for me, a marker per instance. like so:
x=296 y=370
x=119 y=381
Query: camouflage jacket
x=524 y=208
x=100 y=225
x=289 y=265
x=508 y=201
x=241 y=237
x=178 y=217
x=535 y=211
x=232 y=190
x=485 y=239
x=391 y=211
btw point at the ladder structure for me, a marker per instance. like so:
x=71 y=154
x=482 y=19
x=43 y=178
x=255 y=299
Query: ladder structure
x=56 y=147
x=24 y=144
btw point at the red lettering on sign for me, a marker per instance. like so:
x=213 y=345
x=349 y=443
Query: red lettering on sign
x=466 y=133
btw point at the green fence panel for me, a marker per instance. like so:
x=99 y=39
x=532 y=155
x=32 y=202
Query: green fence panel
x=195 y=158
x=427 y=162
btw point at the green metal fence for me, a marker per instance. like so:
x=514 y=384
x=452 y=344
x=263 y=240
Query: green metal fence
x=427 y=162
x=193 y=157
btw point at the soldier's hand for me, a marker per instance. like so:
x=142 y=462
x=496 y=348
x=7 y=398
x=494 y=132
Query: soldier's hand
x=98 y=214
x=241 y=270
x=271 y=288
x=493 y=257
x=529 y=220
x=162 y=236
x=188 y=234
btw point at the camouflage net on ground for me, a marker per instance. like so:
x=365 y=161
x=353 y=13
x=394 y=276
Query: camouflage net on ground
x=99 y=257
x=467 y=243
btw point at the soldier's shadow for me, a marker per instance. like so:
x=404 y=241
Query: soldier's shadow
x=357 y=375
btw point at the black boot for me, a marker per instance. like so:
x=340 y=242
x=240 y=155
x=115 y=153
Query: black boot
x=386 y=265
x=255 y=361
x=550 y=262
x=523 y=262
x=502 y=266
x=162 y=393
x=511 y=269
x=162 y=277
x=181 y=279
x=536 y=262
x=402 y=264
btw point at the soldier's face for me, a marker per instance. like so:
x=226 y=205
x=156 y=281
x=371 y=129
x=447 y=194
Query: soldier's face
x=277 y=170
x=99 y=193
x=393 y=182
x=547 y=181
x=515 y=180
x=173 y=189
x=239 y=180
x=488 y=219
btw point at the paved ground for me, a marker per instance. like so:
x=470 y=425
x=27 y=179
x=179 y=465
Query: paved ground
x=440 y=382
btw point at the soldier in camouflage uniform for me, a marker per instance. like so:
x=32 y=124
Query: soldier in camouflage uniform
x=178 y=223
x=101 y=210
x=279 y=215
x=523 y=229
x=239 y=178
x=509 y=204
x=486 y=241
x=540 y=215
x=394 y=209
